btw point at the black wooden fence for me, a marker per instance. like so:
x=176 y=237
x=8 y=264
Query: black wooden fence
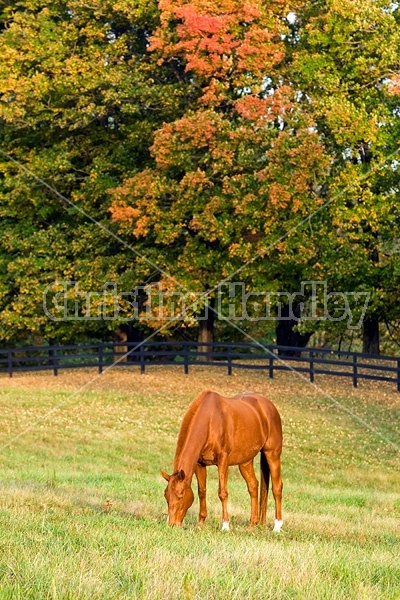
x=310 y=361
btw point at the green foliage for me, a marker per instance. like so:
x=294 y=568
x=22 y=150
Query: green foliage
x=204 y=135
x=81 y=97
x=344 y=62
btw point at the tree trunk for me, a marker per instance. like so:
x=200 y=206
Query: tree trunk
x=285 y=336
x=206 y=330
x=371 y=335
x=128 y=334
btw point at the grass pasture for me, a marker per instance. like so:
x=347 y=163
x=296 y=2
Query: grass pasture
x=82 y=512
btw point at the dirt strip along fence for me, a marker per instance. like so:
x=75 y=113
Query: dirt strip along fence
x=309 y=361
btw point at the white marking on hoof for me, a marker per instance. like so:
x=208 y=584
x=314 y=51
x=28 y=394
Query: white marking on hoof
x=225 y=526
x=278 y=525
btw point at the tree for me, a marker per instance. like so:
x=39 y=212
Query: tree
x=344 y=62
x=81 y=97
x=238 y=169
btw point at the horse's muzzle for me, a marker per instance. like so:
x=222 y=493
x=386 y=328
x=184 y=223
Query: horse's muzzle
x=172 y=523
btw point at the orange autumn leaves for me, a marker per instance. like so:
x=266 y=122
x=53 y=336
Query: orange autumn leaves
x=205 y=166
x=221 y=42
x=229 y=51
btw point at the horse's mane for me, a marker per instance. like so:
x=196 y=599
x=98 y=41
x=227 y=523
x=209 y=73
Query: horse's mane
x=186 y=422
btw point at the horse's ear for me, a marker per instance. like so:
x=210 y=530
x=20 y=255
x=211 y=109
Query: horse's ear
x=165 y=475
x=181 y=475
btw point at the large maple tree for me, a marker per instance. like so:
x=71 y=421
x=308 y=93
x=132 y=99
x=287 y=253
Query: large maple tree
x=241 y=167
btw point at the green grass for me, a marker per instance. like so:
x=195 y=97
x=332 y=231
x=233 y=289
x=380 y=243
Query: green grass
x=82 y=512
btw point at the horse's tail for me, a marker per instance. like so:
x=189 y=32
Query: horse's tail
x=264 y=486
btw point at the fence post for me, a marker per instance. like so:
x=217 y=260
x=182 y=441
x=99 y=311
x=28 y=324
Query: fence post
x=398 y=374
x=229 y=361
x=55 y=362
x=186 y=358
x=355 y=382
x=100 y=358
x=10 y=363
x=311 y=366
x=142 y=363
x=271 y=365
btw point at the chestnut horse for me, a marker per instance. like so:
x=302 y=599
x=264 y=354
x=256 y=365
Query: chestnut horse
x=226 y=431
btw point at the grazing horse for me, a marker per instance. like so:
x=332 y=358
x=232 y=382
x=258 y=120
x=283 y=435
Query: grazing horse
x=226 y=431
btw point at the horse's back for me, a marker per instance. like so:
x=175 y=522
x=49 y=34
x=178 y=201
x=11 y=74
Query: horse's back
x=245 y=423
x=257 y=402
x=239 y=404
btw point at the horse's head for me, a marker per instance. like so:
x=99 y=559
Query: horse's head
x=179 y=496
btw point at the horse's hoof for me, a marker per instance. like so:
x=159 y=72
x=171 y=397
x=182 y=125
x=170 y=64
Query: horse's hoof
x=278 y=525
x=225 y=526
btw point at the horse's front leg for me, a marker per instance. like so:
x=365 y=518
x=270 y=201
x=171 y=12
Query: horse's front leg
x=201 y=475
x=223 y=488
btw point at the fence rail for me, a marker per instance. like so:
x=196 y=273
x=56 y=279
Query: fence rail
x=310 y=361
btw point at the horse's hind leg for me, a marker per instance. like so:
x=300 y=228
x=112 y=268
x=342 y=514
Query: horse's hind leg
x=274 y=462
x=247 y=470
x=201 y=474
x=264 y=487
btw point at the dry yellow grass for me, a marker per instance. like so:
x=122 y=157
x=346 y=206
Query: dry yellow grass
x=172 y=379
